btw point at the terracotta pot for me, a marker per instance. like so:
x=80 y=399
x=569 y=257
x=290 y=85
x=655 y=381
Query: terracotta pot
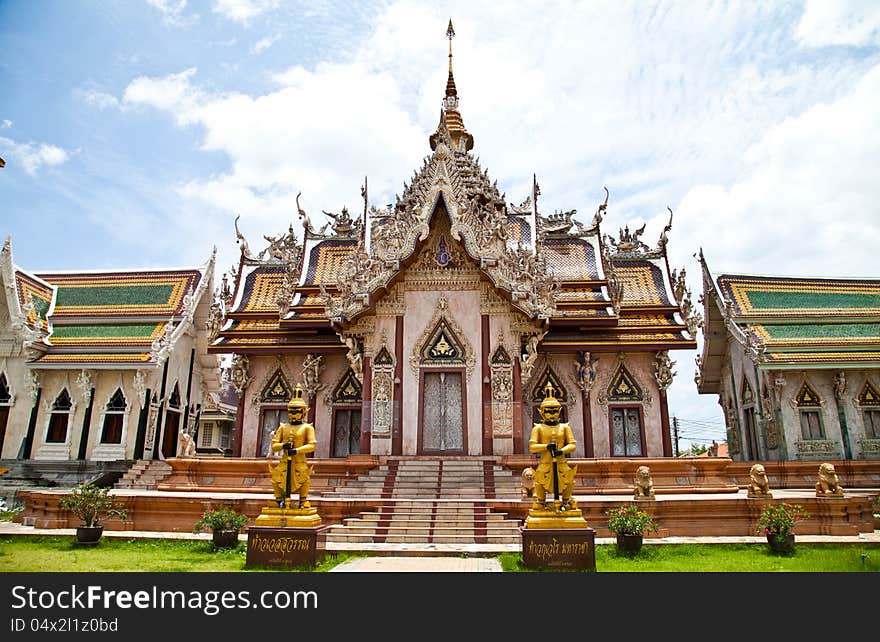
x=629 y=543
x=225 y=539
x=784 y=546
x=88 y=534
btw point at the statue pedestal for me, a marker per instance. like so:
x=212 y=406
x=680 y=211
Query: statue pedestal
x=274 y=517
x=559 y=548
x=285 y=547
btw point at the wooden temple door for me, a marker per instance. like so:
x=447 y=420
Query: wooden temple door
x=626 y=432
x=346 y=432
x=172 y=427
x=442 y=413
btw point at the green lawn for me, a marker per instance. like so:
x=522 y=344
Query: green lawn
x=61 y=553
x=728 y=558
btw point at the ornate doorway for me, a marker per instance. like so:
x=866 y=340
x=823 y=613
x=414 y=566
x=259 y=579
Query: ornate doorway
x=443 y=415
x=346 y=432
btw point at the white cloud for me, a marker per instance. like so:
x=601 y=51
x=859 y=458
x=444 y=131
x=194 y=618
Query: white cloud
x=840 y=22
x=243 y=10
x=31 y=156
x=173 y=92
x=172 y=11
x=97 y=99
x=5 y=123
x=264 y=43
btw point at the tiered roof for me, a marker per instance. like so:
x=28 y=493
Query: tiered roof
x=103 y=319
x=792 y=322
x=561 y=275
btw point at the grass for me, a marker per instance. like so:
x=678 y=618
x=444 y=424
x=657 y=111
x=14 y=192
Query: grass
x=61 y=553
x=727 y=558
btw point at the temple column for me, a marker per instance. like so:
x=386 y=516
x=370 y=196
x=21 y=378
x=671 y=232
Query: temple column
x=486 y=387
x=517 y=409
x=397 y=412
x=367 y=413
x=588 y=424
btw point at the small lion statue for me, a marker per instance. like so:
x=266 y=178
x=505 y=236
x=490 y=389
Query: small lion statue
x=528 y=483
x=760 y=485
x=644 y=486
x=828 y=484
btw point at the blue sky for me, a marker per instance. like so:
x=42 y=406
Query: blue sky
x=136 y=131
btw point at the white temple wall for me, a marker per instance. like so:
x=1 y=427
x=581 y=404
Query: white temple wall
x=21 y=401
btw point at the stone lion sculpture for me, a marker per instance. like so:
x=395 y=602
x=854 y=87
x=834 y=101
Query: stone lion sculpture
x=186 y=446
x=760 y=485
x=644 y=486
x=528 y=483
x=828 y=484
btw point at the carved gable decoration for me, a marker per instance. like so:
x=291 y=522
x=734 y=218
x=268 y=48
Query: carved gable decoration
x=277 y=390
x=807 y=397
x=624 y=387
x=748 y=396
x=383 y=358
x=442 y=343
x=540 y=390
x=869 y=396
x=348 y=390
x=500 y=357
x=443 y=346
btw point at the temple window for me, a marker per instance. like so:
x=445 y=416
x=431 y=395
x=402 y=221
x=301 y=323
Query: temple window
x=5 y=404
x=59 y=419
x=273 y=409
x=810 y=409
x=627 y=427
x=347 y=416
x=114 y=415
x=869 y=402
x=749 y=425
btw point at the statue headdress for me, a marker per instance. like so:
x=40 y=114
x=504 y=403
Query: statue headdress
x=550 y=401
x=297 y=400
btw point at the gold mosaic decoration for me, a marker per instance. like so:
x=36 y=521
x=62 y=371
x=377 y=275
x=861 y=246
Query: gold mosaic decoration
x=638 y=285
x=27 y=288
x=96 y=358
x=825 y=357
x=263 y=293
x=330 y=261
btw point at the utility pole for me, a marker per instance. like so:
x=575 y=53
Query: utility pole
x=675 y=433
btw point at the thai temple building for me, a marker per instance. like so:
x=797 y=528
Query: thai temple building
x=103 y=366
x=432 y=326
x=795 y=363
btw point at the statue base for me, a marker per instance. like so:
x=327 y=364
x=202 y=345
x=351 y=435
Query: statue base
x=285 y=547
x=559 y=549
x=544 y=518
x=274 y=517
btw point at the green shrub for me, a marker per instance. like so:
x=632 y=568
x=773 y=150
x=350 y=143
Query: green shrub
x=221 y=519
x=92 y=504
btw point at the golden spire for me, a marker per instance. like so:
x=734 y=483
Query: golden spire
x=450 y=84
x=450 y=118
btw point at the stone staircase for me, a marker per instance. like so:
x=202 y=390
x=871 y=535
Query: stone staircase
x=145 y=474
x=434 y=478
x=436 y=501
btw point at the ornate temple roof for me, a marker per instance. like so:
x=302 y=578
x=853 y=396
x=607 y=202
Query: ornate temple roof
x=790 y=322
x=559 y=273
x=111 y=319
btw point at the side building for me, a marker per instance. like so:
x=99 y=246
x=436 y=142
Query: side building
x=795 y=363
x=103 y=365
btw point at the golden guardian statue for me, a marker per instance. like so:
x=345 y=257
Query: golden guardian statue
x=291 y=473
x=553 y=475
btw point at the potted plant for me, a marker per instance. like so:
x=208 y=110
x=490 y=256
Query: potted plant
x=224 y=523
x=777 y=522
x=630 y=523
x=91 y=504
